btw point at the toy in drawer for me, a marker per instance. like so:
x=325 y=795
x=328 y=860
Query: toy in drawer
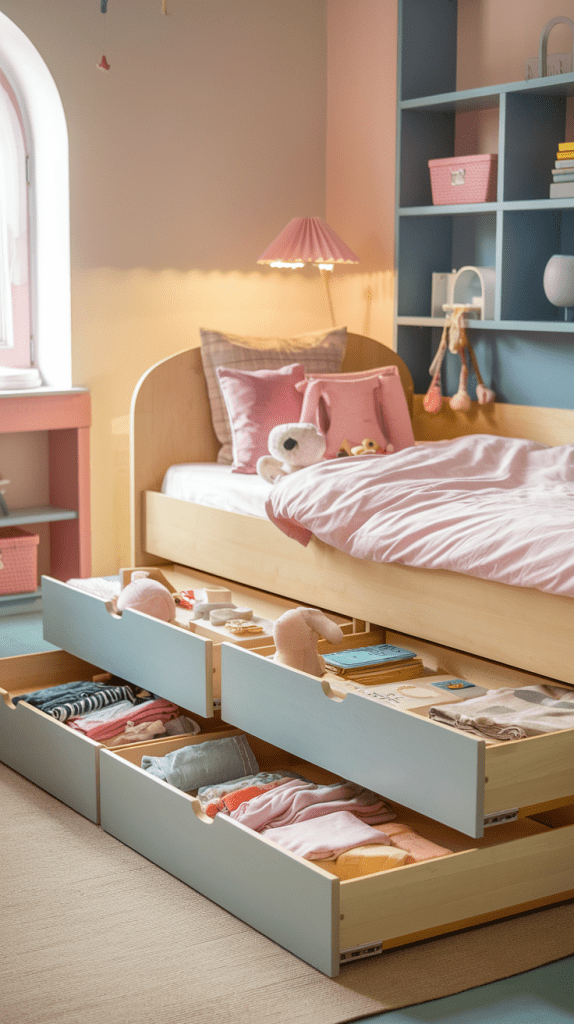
x=305 y=906
x=179 y=661
x=464 y=179
x=450 y=775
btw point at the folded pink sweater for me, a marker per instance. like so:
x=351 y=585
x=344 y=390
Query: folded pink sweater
x=150 y=711
x=326 y=837
x=297 y=801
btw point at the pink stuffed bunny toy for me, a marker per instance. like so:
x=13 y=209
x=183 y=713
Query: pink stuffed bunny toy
x=147 y=596
x=296 y=633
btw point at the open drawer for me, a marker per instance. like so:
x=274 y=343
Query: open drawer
x=179 y=662
x=451 y=776
x=37 y=746
x=54 y=756
x=309 y=910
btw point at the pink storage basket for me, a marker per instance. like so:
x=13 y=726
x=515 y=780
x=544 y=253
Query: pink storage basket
x=464 y=179
x=18 y=560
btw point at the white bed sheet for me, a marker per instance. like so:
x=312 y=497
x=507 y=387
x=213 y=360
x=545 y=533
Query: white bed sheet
x=214 y=485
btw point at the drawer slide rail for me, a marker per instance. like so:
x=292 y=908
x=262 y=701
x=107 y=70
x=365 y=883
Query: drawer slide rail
x=500 y=817
x=360 y=952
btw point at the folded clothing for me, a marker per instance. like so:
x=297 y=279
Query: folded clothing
x=365 y=860
x=511 y=714
x=326 y=837
x=181 y=726
x=71 y=699
x=212 y=794
x=138 y=733
x=202 y=764
x=403 y=837
x=298 y=801
x=101 y=725
x=231 y=801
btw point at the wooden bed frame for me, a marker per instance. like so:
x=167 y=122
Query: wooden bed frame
x=171 y=423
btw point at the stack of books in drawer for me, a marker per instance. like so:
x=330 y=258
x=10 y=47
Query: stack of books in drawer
x=562 y=186
x=376 y=663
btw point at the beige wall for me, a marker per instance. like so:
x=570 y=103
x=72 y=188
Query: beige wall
x=186 y=159
x=215 y=126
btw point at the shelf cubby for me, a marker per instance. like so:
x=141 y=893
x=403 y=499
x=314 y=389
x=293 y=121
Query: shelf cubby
x=516 y=234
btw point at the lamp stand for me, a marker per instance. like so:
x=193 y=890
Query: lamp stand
x=326 y=275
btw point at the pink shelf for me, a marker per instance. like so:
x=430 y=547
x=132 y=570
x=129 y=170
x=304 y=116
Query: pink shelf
x=66 y=416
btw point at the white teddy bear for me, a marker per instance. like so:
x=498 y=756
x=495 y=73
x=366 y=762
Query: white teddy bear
x=293 y=446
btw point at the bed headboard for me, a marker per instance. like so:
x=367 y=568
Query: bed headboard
x=170 y=417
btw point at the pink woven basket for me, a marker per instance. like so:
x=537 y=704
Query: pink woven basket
x=18 y=560
x=464 y=179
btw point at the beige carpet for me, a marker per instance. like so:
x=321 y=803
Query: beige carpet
x=92 y=933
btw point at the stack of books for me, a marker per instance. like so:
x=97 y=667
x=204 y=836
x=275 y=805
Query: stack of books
x=376 y=663
x=562 y=186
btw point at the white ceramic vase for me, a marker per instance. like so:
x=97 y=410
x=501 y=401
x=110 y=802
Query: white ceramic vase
x=558 y=280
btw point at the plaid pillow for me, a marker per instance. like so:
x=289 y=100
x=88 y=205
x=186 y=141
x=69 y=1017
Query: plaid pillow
x=318 y=352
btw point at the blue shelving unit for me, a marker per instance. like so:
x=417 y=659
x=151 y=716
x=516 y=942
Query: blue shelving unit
x=516 y=235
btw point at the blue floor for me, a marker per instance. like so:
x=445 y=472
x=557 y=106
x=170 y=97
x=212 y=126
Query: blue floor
x=541 y=996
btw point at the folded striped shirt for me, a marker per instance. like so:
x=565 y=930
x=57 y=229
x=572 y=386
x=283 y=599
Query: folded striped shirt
x=72 y=699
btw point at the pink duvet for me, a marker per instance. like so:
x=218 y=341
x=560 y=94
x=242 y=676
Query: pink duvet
x=494 y=507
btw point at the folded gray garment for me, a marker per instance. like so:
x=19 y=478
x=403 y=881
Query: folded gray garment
x=511 y=714
x=204 y=764
x=207 y=794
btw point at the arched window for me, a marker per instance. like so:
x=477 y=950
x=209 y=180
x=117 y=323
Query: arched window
x=15 y=349
x=35 y=308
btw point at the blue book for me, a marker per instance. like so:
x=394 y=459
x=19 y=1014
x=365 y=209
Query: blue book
x=563 y=177
x=367 y=657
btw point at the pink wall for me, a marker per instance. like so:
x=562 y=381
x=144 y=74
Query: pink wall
x=360 y=181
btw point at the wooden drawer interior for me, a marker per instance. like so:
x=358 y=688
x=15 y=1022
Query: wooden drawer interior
x=479 y=880
x=486 y=782
x=266 y=607
x=180 y=661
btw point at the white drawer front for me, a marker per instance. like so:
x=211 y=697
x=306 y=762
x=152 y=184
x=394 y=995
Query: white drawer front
x=51 y=755
x=310 y=911
x=278 y=894
x=160 y=657
x=429 y=767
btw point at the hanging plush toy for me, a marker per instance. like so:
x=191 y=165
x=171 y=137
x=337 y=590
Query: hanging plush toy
x=455 y=339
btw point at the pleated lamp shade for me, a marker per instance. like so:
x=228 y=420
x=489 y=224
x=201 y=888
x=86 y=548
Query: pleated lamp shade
x=307 y=240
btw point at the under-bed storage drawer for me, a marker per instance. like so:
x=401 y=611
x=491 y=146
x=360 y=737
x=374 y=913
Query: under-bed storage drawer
x=157 y=656
x=449 y=775
x=180 y=662
x=310 y=911
x=44 y=750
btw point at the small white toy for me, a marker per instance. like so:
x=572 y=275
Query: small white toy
x=293 y=446
x=296 y=633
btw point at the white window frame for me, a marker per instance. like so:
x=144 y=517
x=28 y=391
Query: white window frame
x=49 y=203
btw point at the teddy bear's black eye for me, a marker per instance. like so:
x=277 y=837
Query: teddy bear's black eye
x=290 y=443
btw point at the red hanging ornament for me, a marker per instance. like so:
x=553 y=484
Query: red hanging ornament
x=103 y=65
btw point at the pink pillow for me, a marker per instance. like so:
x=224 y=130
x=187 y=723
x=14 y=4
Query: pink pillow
x=318 y=352
x=392 y=411
x=256 y=401
x=344 y=410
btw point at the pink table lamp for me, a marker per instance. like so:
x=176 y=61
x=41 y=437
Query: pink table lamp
x=309 y=240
